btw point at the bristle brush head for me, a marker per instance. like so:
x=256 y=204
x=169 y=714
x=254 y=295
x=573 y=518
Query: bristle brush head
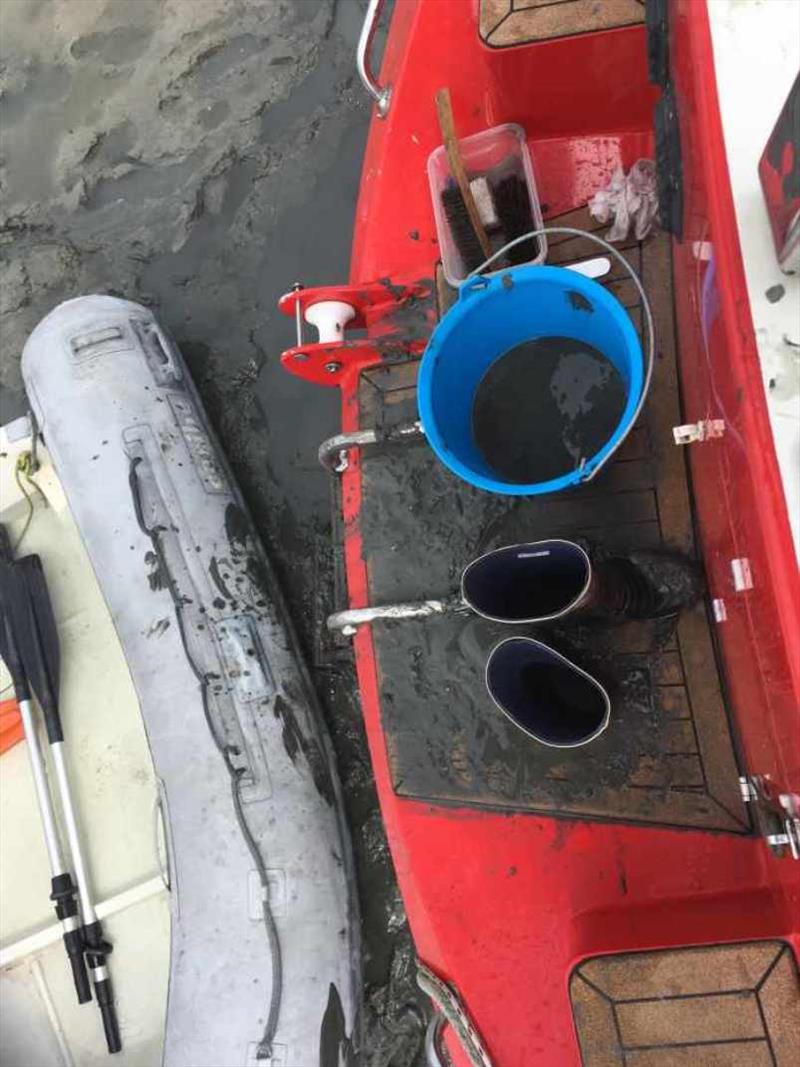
x=513 y=205
x=463 y=233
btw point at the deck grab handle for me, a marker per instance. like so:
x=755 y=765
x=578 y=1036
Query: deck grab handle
x=381 y=95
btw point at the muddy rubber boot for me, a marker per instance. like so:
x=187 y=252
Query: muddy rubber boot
x=546 y=695
x=641 y=585
x=534 y=582
x=541 y=581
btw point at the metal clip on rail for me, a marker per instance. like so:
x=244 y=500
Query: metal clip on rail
x=334 y=453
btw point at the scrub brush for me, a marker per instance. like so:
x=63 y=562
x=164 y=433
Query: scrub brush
x=483 y=211
x=461 y=229
x=457 y=200
x=512 y=203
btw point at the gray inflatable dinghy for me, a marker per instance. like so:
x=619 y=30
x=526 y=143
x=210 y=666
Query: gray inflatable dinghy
x=264 y=945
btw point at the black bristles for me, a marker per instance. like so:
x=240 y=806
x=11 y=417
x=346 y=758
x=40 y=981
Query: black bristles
x=461 y=229
x=513 y=206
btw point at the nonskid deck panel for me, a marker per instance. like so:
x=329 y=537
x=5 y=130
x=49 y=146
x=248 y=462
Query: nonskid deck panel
x=719 y=1006
x=505 y=23
x=668 y=756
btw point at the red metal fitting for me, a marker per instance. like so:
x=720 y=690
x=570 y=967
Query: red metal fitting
x=397 y=317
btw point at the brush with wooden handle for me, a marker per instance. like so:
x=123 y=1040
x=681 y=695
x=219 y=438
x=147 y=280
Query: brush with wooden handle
x=444 y=109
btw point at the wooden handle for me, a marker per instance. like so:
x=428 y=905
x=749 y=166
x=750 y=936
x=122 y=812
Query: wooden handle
x=444 y=109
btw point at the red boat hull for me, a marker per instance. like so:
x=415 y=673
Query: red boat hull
x=506 y=905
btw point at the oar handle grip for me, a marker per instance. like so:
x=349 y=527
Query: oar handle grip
x=73 y=942
x=108 y=1014
x=63 y=894
x=97 y=949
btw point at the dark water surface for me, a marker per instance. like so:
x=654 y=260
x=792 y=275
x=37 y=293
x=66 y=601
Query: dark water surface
x=544 y=407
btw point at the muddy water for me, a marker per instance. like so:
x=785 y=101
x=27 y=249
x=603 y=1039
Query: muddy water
x=199 y=158
x=544 y=407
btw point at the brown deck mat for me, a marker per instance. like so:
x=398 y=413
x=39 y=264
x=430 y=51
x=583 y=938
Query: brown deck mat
x=504 y=23
x=667 y=757
x=722 y=1006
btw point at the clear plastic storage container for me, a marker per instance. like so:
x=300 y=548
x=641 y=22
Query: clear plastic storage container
x=496 y=155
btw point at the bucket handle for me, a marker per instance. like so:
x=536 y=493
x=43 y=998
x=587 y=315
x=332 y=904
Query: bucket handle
x=472 y=282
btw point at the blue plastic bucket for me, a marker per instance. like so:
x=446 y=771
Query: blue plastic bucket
x=493 y=315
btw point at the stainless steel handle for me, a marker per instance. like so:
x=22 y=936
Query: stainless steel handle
x=381 y=96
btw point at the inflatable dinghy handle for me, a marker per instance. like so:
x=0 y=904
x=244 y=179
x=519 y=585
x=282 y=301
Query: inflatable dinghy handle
x=159 y=352
x=161 y=822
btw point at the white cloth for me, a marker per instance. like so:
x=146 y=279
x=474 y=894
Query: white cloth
x=628 y=199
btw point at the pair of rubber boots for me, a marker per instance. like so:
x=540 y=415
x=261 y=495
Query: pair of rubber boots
x=548 y=696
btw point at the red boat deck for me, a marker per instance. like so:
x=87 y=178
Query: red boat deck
x=510 y=901
x=668 y=757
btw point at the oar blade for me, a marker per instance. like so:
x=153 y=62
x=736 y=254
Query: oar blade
x=37 y=637
x=12 y=602
x=6 y=555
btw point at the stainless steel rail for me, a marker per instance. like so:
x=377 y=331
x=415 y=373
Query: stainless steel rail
x=382 y=95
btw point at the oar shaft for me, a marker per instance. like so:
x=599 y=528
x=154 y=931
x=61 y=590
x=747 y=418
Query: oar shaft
x=96 y=947
x=43 y=797
x=62 y=890
x=34 y=666
x=73 y=834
